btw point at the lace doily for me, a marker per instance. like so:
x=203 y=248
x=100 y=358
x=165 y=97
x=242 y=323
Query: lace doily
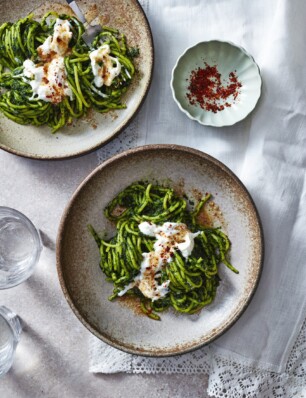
x=227 y=379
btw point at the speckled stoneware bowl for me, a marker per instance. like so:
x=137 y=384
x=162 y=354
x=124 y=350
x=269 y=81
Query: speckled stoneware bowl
x=90 y=133
x=228 y=58
x=83 y=283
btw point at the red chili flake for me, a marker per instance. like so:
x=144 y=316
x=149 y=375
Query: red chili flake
x=207 y=90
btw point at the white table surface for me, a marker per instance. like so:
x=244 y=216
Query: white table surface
x=52 y=357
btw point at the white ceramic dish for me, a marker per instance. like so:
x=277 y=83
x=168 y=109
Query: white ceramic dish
x=228 y=58
x=86 y=134
x=83 y=283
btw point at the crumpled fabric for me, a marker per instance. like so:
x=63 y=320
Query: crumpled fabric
x=266 y=150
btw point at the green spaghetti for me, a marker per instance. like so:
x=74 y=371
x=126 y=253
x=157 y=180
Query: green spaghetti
x=48 y=75
x=185 y=282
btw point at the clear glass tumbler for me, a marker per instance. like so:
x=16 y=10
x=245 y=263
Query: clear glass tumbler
x=10 y=329
x=20 y=247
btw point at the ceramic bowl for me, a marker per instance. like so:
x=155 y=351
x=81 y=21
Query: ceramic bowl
x=227 y=57
x=83 y=283
x=88 y=133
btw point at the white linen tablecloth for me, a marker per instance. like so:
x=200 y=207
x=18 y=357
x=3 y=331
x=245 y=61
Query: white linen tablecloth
x=264 y=353
x=266 y=151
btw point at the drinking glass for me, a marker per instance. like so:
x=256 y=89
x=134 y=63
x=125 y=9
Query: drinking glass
x=10 y=329
x=20 y=247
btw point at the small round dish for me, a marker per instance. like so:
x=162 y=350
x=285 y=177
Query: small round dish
x=230 y=61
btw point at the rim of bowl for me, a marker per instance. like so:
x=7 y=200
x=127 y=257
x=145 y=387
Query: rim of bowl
x=120 y=129
x=59 y=248
x=242 y=49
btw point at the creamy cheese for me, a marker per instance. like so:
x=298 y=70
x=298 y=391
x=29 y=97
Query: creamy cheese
x=183 y=238
x=104 y=67
x=147 y=228
x=59 y=42
x=169 y=238
x=48 y=82
x=49 y=79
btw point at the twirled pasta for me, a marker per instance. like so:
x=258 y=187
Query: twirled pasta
x=19 y=42
x=193 y=281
